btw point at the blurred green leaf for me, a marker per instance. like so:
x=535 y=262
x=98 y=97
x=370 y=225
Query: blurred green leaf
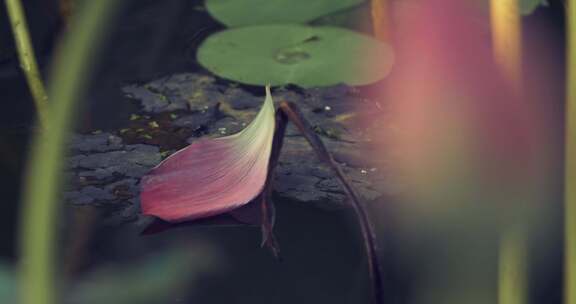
x=7 y=284
x=161 y=278
x=250 y=12
x=297 y=54
x=527 y=7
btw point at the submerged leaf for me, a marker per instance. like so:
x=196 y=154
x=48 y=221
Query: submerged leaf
x=212 y=176
x=291 y=53
x=251 y=12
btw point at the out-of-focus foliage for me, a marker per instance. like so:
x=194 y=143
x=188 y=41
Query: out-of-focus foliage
x=160 y=278
x=462 y=136
x=7 y=284
x=297 y=54
x=473 y=159
x=527 y=7
x=251 y=12
x=570 y=159
x=163 y=278
x=40 y=195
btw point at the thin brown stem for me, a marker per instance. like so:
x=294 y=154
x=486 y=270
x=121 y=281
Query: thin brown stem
x=295 y=116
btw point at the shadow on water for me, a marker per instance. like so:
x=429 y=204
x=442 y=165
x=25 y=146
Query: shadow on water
x=323 y=260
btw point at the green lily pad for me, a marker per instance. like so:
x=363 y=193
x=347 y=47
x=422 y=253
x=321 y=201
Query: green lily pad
x=527 y=7
x=295 y=54
x=251 y=12
x=357 y=18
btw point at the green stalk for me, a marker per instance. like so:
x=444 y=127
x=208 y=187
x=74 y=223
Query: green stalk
x=40 y=209
x=506 y=25
x=27 y=59
x=570 y=161
x=512 y=266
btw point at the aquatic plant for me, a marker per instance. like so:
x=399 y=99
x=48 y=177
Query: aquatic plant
x=570 y=160
x=295 y=54
x=40 y=206
x=27 y=59
x=213 y=177
x=507 y=52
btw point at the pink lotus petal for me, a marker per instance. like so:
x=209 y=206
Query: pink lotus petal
x=212 y=176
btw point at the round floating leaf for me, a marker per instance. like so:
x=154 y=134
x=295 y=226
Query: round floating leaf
x=250 y=12
x=302 y=55
x=357 y=18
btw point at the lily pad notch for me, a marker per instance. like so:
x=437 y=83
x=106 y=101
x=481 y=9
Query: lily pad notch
x=232 y=176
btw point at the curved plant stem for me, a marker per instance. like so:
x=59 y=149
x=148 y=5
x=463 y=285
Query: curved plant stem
x=512 y=267
x=294 y=115
x=44 y=173
x=570 y=161
x=27 y=59
x=506 y=26
x=507 y=48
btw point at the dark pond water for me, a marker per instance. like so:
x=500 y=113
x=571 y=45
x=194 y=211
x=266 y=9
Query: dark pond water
x=323 y=255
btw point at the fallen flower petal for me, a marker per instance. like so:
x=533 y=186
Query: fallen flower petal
x=219 y=181
x=212 y=176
